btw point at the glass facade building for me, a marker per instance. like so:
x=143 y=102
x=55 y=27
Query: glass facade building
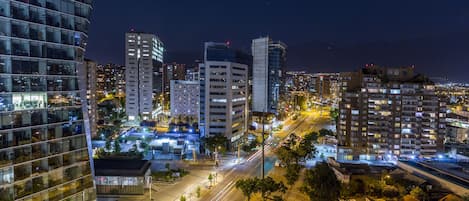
x=43 y=145
x=269 y=60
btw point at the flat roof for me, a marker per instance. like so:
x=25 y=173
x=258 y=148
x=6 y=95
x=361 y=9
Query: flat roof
x=116 y=167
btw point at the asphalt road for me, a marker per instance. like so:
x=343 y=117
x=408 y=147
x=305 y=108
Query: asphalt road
x=226 y=189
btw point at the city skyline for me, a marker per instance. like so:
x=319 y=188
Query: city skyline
x=234 y=100
x=322 y=37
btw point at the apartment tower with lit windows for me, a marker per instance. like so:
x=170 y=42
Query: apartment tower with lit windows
x=387 y=113
x=44 y=152
x=143 y=73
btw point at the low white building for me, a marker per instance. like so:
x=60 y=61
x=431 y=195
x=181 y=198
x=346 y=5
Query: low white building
x=184 y=98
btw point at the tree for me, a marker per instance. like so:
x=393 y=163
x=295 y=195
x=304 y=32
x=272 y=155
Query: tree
x=358 y=186
x=312 y=136
x=305 y=149
x=197 y=192
x=465 y=197
x=269 y=185
x=167 y=166
x=334 y=114
x=210 y=178
x=214 y=142
x=323 y=132
x=292 y=173
x=286 y=155
x=321 y=184
x=117 y=146
x=390 y=191
x=247 y=186
x=250 y=146
x=418 y=193
x=255 y=185
x=108 y=145
x=143 y=145
x=409 y=198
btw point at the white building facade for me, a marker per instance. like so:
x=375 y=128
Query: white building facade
x=185 y=97
x=143 y=58
x=224 y=92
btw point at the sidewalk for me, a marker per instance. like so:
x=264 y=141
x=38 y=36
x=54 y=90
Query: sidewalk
x=187 y=186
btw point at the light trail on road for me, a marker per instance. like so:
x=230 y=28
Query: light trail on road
x=226 y=190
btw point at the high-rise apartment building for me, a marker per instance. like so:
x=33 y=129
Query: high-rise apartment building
x=192 y=74
x=299 y=81
x=326 y=85
x=143 y=62
x=391 y=113
x=43 y=144
x=110 y=79
x=91 y=97
x=185 y=98
x=172 y=71
x=269 y=60
x=224 y=91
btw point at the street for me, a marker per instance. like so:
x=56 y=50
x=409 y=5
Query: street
x=229 y=172
x=225 y=190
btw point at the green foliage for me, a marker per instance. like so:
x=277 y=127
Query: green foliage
x=143 y=145
x=210 y=178
x=280 y=127
x=247 y=186
x=117 y=146
x=286 y=155
x=268 y=186
x=108 y=145
x=301 y=102
x=356 y=187
x=465 y=197
x=216 y=141
x=167 y=166
x=418 y=193
x=323 y=132
x=248 y=147
x=297 y=149
x=305 y=149
x=197 y=192
x=390 y=191
x=334 y=113
x=183 y=198
x=292 y=174
x=321 y=184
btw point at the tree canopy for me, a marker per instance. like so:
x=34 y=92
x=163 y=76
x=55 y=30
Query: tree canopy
x=321 y=184
x=213 y=142
x=268 y=185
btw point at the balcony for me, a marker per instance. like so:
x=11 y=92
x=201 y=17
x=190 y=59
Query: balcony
x=37 y=3
x=23 y=189
x=19 y=13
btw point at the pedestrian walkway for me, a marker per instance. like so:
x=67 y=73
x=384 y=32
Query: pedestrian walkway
x=187 y=186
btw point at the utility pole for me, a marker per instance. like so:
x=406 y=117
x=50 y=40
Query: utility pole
x=263 y=158
x=239 y=152
x=151 y=185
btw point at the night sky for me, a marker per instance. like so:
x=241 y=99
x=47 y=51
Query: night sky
x=322 y=36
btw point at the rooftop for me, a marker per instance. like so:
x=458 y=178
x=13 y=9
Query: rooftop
x=114 y=167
